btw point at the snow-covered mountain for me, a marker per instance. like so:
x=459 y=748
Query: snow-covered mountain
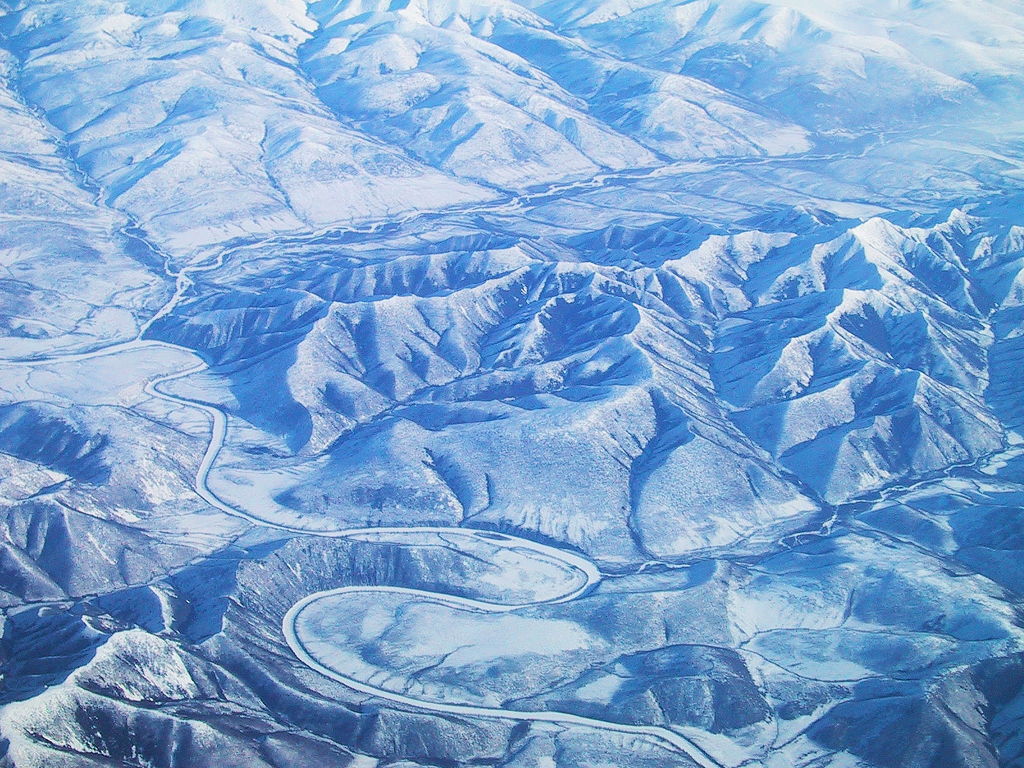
x=465 y=382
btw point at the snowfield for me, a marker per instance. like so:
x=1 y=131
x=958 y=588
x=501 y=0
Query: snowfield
x=556 y=383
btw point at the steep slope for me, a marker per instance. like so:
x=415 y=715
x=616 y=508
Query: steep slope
x=720 y=301
x=490 y=92
x=193 y=118
x=864 y=359
x=471 y=383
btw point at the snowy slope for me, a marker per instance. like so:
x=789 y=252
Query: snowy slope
x=195 y=121
x=720 y=301
x=838 y=65
x=74 y=276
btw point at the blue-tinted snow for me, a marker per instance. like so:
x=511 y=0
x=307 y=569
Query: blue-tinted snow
x=722 y=297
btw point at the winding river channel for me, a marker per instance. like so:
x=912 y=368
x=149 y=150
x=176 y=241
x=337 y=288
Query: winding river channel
x=579 y=574
x=585 y=576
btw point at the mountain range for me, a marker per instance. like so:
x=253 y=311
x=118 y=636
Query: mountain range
x=464 y=382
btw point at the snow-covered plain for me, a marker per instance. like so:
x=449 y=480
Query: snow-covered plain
x=576 y=382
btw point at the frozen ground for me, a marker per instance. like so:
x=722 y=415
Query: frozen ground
x=478 y=383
